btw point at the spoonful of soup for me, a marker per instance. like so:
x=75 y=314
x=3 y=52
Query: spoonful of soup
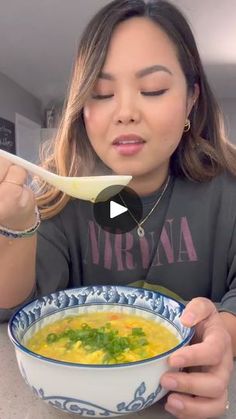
x=84 y=187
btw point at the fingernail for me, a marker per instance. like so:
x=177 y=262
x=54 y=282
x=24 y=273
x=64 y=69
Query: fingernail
x=177 y=361
x=188 y=318
x=175 y=404
x=169 y=383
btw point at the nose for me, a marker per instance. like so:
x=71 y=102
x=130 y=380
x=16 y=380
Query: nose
x=127 y=112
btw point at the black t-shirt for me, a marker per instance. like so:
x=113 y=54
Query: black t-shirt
x=189 y=247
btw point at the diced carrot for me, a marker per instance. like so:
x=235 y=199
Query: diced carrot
x=114 y=316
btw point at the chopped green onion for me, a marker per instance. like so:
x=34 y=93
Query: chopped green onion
x=103 y=338
x=138 y=331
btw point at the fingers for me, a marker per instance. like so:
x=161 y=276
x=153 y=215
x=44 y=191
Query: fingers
x=211 y=383
x=209 y=353
x=184 y=406
x=197 y=310
x=17 y=202
x=15 y=175
x=4 y=166
x=11 y=189
x=195 y=383
x=207 y=381
x=209 y=329
x=202 y=392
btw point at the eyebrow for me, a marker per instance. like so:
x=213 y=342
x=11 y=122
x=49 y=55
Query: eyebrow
x=139 y=74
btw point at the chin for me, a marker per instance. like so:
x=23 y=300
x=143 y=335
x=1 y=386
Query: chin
x=128 y=170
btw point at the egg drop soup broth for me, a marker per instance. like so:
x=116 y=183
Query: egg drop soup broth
x=102 y=338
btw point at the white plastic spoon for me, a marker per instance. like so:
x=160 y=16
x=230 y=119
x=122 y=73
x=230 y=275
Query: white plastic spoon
x=85 y=187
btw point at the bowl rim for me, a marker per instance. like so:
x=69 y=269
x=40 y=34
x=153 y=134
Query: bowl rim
x=163 y=355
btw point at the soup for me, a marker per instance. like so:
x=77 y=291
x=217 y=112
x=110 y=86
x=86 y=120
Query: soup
x=102 y=338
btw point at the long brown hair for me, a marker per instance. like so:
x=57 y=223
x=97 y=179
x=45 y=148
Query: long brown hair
x=203 y=151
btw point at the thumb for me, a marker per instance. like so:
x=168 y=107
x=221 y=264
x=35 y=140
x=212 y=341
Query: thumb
x=196 y=310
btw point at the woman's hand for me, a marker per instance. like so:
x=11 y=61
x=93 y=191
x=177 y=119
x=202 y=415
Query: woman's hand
x=16 y=200
x=201 y=392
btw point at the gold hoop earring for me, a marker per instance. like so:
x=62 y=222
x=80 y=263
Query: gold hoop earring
x=187 y=125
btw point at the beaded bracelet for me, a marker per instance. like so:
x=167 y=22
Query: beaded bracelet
x=14 y=234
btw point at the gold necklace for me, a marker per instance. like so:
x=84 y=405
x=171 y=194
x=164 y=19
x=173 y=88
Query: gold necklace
x=140 y=229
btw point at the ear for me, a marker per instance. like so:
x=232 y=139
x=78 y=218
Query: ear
x=193 y=98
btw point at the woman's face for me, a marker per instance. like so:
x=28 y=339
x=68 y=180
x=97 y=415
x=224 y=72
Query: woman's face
x=136 y=114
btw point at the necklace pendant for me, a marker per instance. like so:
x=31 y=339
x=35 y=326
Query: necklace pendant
x=140 y=231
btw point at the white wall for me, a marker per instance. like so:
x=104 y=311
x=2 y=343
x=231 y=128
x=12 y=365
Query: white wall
x=228 y=107
x=14 y=99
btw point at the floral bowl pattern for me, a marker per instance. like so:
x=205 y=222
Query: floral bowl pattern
x=95 y=390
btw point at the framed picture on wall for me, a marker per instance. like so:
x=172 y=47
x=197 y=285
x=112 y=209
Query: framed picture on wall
x=7 y=136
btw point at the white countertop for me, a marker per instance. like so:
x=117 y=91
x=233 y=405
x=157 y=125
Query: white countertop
x=18 y=402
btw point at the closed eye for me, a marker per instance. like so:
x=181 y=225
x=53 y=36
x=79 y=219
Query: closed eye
x=154 y=93
x=101 y=97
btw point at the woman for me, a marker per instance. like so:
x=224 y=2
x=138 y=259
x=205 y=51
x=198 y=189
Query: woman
x=139 y=104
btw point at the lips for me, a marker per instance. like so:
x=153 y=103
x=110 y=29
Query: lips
x=128 y=139
x=129 y=144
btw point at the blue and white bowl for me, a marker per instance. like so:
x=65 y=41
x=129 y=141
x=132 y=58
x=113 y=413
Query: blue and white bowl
x=95 y=390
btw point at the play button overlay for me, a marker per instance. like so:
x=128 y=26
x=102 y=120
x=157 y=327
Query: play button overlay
x=116 y=209
x=121 y=212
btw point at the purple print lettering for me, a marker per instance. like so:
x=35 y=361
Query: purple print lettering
x=128 y=252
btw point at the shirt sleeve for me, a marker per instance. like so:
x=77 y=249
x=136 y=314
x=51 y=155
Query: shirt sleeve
x=52 y=263
x=6 y=313
x=53 y=257
x=228 y=302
